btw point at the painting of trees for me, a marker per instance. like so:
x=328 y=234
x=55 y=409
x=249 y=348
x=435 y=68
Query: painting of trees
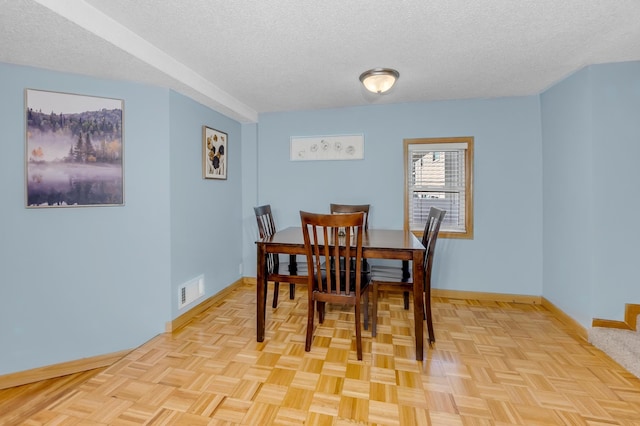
x=75 y=150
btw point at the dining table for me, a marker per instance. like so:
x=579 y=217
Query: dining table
x=376 y=244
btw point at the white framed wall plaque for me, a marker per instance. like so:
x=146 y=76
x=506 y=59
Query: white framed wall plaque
x=318 y=148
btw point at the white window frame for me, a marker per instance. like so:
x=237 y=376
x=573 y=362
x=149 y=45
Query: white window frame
x=448 y=229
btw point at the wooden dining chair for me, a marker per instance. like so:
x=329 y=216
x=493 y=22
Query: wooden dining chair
x=335 y=208
x=291 y=272
x=352 y=208
x=323 y=240
x=391 y=278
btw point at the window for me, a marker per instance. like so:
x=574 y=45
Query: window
x=439 y=173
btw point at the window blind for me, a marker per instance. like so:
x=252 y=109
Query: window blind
x=437 y=179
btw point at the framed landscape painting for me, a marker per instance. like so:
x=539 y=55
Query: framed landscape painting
x=74 y=150
x=214 y=153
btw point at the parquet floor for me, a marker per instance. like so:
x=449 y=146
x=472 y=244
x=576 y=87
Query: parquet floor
x=493 y=364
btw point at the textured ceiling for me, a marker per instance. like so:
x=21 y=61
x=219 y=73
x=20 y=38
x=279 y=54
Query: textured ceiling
x=244 y=57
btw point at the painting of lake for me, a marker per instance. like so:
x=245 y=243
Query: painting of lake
x=74 y=150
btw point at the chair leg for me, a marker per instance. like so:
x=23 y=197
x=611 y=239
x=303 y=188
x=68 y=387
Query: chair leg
x=427 y=312
x=310 y=314
x=321 y=307
x=276 y=288
x=405 y=276
x=293 y=270
x=358 y=332
x=405 y=270
x=374 y=309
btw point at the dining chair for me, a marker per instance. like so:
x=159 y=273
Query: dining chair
x=391 y=278
x=335 y=208
x=323 y=240
x=352 y=208
x=291 y=272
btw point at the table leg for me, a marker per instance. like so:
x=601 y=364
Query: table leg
x=261 y=291
x=418 y=301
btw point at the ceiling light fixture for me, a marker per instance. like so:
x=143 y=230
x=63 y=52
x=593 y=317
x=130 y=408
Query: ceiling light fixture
x=379 y=80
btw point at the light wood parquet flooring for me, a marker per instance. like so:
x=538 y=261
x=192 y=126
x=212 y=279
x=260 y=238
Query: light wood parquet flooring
x=493 y=364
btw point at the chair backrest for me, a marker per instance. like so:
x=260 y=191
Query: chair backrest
x=266 y=225
x=266 y=228
x=323 y=241
x=352 y=208
x=430 y=236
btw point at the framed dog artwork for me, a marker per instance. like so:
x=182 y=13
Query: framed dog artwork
x=214 y=153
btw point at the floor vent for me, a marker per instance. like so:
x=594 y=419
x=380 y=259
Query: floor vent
x=190 y=291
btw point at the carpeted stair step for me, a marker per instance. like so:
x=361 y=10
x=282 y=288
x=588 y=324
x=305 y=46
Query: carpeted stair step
x=621 y=345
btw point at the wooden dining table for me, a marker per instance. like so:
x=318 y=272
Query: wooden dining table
x=376 y=244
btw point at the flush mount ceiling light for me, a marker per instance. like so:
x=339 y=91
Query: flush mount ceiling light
x=379 y=80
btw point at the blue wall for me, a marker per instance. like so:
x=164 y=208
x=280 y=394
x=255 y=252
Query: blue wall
x=568 y=196
x=505 y=255
x=616 y=182
x=249 y=197
x=206 y=216
x=88 y=281
x=591 y=146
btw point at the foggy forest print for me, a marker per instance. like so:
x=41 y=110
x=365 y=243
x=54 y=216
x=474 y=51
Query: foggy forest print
x=74 y=150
